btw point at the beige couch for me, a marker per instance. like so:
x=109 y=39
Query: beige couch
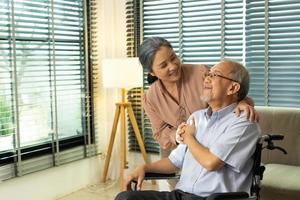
x=282 y=176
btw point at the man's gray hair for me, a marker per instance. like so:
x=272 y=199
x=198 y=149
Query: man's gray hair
x=239 y=73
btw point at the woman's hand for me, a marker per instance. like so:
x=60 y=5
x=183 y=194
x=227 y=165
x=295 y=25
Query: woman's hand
x=179 y=132
x=138 y=174
x=249 y=111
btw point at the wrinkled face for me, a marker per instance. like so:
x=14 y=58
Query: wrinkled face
x=218 y=85
x=166 y=65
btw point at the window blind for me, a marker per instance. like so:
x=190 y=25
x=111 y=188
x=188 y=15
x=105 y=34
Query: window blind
x=92 y=23
x=133 y=33
x=232 y=41
x=273 y=50
x=255 y=50
x=45 y=95
x=212 y=30
x=284 y=53
x=262 y=34
x=200 y=31
x=134 y=95
x=160 y=18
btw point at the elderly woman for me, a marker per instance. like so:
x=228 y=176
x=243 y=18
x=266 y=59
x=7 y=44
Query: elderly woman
x=175 y=92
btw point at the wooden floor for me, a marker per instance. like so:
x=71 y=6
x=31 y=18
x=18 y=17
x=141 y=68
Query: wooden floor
x=101 y=191
x=108 y=190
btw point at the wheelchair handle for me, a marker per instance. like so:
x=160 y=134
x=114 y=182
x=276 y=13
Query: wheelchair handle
x=276 y=137
x=281 y=149
x=269 y=138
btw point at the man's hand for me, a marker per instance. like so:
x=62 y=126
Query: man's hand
x=138 y=174
x=189 y=131
x=249 y=110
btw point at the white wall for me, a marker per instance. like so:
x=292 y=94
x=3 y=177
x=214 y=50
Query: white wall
x=52 y=183
x=59 y=181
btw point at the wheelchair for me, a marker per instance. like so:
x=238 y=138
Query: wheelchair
x=264 y=142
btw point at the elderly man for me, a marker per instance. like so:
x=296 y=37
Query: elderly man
x=216 y=145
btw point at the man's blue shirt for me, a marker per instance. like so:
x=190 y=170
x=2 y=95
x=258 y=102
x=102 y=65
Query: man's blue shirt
x=232 y=139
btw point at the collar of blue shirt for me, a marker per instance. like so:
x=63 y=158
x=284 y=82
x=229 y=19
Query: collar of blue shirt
x=220 y=113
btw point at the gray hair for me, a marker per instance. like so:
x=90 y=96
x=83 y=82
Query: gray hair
x=240 y=74
x=148 y=50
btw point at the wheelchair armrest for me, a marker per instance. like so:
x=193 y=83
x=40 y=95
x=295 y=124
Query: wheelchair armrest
x=215 y=196
x=155 y=176
x=228 y=196
x=158 y=176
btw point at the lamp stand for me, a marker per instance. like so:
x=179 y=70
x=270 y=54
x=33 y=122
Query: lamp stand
x=120 y=111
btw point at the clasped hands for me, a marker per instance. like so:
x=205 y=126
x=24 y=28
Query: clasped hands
x=184 y=134
x=186 y=131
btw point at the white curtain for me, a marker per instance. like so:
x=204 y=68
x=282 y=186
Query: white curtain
x=111 y=43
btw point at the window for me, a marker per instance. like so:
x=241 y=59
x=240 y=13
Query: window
x=135 y=94
x=264 y=35
x=43 y=84
x=273 y=52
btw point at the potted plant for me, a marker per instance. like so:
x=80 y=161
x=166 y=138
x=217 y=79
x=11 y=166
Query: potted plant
x=6 y=127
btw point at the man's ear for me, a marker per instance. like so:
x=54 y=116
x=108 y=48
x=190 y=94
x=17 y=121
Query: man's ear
x=233 y=88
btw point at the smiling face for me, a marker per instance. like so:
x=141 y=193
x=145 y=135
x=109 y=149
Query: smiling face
x=166 y=65
x=219 y=88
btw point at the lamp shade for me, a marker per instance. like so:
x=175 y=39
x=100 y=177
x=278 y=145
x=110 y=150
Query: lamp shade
x=122 y=73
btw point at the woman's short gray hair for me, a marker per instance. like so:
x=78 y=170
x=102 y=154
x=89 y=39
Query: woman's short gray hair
x=148 y=50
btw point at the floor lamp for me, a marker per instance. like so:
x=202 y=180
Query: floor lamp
x=122 y=73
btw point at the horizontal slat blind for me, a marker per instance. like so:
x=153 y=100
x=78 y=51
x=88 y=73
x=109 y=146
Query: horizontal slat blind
x=201 y=31
x=255 y=49
x=7 y=109
x=284 y=53
x=209 y=36
x=43 y=68
x=6 y=96
x=132 y=24
x=198 y=30
x=160 y=18
x=69 y=65
x=93 y=51
x=233 y=30
x=134 y=95
x=273 y=50
x=42 y=162
x=271 y=34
